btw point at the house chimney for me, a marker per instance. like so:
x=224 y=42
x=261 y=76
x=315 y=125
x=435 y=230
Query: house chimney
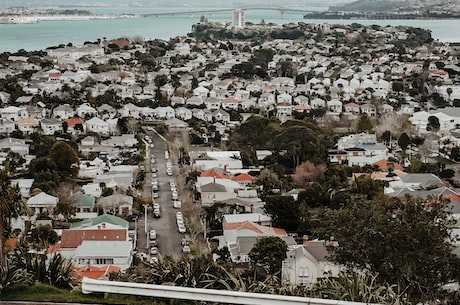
x=305 y=240
x=99 y=227
x=103 y=225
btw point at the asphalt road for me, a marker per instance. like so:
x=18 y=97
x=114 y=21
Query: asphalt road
x=168 y=236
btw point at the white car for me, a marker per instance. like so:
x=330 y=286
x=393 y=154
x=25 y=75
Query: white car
x=156 y=205
x=175 y=195
x=153 y=234
x=181 y=228
x=154 y=260
x=154 y=251
x=177 y=204
x=186 y=249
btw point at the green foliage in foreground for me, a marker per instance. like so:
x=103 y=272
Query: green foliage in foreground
x=41 y=292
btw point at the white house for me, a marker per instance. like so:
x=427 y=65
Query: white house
x=42 y=203
x=98 y=125
x=50 y=126
x=306 y=264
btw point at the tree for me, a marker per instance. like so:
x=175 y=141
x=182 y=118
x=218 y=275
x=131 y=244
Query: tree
x=364 y=123
x=403 y=141
x=65 y=158
x=433 y=123
x=269 y=253
x=401 y=241
x=11 y=206
x=284 y=211
x=307 y=172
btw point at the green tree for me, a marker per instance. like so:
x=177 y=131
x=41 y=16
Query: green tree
x=301 y=143
x=364 y=123
x=433 y=123
x=269 y=253
x=65 y=158
x=284 y=211
x=11 y=206
x=403 y=141
x=401 y=241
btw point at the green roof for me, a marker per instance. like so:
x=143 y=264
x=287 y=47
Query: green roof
x=105 y=218
x=81 y=200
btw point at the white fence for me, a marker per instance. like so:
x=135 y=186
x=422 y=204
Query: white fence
x=200 y=294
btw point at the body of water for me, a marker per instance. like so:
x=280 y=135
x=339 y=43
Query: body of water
x=43 y=34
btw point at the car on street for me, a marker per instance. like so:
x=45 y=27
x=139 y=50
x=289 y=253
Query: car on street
x=186 y=249
x=153 y=234
x=153 y=251
x=175 y=195
x=182 y=228
x=177 y=204
x=155 y=195
x=153 y=260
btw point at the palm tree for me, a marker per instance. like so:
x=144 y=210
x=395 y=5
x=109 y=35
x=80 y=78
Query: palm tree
x=11 y=206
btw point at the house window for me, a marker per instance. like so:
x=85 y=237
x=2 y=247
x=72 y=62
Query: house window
x=304 y=272
x=104 y=261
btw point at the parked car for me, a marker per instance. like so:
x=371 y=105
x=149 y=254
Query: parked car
x=153 y=260
x=186 y=249
x=182 y=228
x=177 y=204
x=153 y=234
x=153 y=250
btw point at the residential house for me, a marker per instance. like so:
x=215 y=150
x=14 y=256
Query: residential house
x=106 y=111
x=202 y=114
x=15 y=145
x=317 y=103
x=352 y=108
x=369 y=109
x=63 y=112
x=335 y=106
x=10 y=113
x=222 y=159
x=124 y=140
x=221 y=115
x=117 y=204
x=183 y=113
x=75 y=125
x=86 y=111
x=230 y=102
x=306 y=264
x=213 y=192
x=51 y=126
x=212 y=103
x=164 y=112
x=240 y=238
x=176 y=125
x=42 y=203
x=84 y=205
x=98 y=125
x=101 y=253
x=7 y=126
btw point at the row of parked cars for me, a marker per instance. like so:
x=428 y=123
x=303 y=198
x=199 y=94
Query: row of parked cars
x=153 y=246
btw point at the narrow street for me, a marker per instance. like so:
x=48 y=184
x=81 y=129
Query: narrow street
x=168 y=237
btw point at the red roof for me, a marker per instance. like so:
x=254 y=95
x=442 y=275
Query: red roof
x=10 y=244
x=54 y=248
x=248 y=225
x=94 y=272
x=243 y=177
x=385 y=164
x=215 y=174
x=71 y=122
x=229 y=100
x=73 y=238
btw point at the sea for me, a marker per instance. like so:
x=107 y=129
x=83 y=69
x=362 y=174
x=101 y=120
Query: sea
x=174 y=21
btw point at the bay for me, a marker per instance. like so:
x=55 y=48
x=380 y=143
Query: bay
x=43 y=34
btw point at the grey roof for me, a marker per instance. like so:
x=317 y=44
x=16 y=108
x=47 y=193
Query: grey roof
x=425 y=180
x=213 y=187
x=105 y=218
x=318 y=250
x=101 y=249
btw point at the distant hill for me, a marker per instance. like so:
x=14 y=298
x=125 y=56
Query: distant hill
x=386 y=5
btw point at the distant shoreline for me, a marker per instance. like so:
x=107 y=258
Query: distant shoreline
x=65 y=17
x=379 y=16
